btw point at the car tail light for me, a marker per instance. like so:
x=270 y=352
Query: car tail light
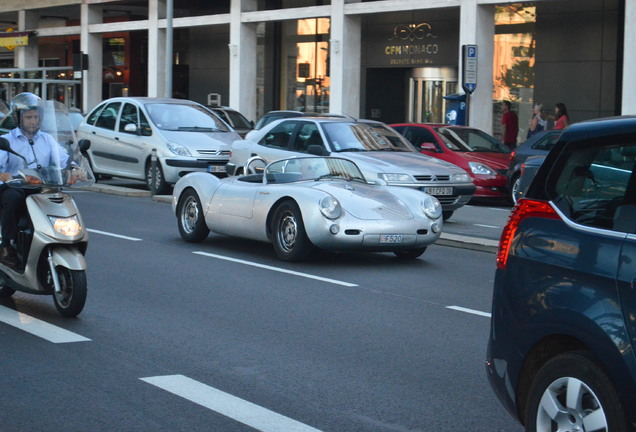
x=525 y=208
x=512 y=155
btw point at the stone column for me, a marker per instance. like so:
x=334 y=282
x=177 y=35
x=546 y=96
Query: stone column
x=91 y=44
x=477 y=26
x=27 y=56
x=629 y=61
x=156 y=48
x=344 y=56
x=243 y=56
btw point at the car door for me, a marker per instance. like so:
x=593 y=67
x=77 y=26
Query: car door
x=103 y=150
x=132 y=146
x=275 y=144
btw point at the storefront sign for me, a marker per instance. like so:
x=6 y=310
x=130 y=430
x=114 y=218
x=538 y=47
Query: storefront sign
x=11 y=39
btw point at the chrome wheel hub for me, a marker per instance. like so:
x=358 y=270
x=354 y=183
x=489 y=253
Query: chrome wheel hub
x=190 y=215
x=287 y=232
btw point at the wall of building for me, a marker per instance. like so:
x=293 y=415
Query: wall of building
x=209 y=63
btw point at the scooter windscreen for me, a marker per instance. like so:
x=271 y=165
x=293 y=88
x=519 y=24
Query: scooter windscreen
x=52 y=157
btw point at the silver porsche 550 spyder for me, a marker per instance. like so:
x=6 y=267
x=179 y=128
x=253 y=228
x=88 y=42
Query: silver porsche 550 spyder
x=305 y=202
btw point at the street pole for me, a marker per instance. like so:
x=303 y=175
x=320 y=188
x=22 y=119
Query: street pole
x=169 y=47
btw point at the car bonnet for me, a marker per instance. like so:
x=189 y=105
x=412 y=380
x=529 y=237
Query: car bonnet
x=202 y=140
x=365 y=201
x=400 y=162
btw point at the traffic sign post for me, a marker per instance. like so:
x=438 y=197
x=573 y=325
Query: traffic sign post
x=469 y=73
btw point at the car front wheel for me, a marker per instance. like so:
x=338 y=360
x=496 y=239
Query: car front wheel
x=410 y=254
x=192 y=226
x=162 y=188
x=516 y=182
x=572 y=393
x=288 y=231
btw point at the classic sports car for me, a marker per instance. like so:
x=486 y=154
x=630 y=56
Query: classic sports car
x=305 y=202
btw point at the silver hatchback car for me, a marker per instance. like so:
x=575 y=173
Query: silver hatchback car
x=187 y=137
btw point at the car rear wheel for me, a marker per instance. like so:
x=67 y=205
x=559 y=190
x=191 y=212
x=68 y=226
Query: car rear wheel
x=410 y=254
x=192 y=226
x=446 y=214
x=572 y=393
x=516 y=182
x=288 y=231
x=162 y=188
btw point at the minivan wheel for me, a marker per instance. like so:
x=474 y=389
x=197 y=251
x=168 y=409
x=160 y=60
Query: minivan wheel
x=572 y=393
x=163 y=188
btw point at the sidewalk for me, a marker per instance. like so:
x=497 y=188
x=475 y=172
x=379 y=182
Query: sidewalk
x=446 y=239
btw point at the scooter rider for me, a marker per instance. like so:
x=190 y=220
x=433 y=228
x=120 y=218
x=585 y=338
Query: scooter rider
x=40 y=150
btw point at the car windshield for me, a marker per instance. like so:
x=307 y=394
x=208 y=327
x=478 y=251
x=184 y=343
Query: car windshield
x=312 y=168
x=362 y=137
x=184 y=117
x=471 y=140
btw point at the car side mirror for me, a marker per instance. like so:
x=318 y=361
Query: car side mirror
x=252 y=124
x=428 y=146
x=84 y=144
x=317 y=150
x=130 y=127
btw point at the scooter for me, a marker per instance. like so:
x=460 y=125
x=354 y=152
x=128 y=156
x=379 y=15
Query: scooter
x=52 y=238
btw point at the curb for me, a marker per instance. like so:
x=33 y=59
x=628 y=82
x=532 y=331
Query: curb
x=446 y=239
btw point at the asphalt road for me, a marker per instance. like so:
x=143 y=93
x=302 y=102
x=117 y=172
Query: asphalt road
x=220 y=336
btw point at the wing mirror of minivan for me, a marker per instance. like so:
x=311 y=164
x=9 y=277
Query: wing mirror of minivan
x=428 y=146
x=317 y=150
x=131 y=127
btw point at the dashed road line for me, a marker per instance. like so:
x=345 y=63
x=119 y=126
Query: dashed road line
x=113 y=235
x=278 y=269
x=487 y=226
x=230 y=406
x=38 y=327
x=470 y=311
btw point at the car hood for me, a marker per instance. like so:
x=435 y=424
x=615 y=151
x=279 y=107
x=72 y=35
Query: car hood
x=498 y=161
x=202 y=140
x=399 y=162
x=364 y=201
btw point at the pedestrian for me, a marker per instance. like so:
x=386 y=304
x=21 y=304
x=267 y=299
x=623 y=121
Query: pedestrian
x=509 y=126
x=538 y=122
x=561 y=119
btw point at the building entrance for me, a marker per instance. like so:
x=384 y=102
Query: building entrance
x=426 y=90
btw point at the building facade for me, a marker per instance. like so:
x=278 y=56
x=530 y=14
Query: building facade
x=390 y=60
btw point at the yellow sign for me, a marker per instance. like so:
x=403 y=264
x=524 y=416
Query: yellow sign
x=10 y=41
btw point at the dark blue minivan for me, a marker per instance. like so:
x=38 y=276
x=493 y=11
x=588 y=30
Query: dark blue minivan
x=563 y=327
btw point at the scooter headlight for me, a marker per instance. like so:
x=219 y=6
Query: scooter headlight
x=68 y=226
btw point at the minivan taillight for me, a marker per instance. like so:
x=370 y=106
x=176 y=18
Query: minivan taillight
x=525 y=208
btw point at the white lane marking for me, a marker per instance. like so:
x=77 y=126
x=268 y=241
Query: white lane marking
x=37 y=327
x=470 y=311
x=487 y=226
x=113 y=235
x=266 y=267
x=230 y=406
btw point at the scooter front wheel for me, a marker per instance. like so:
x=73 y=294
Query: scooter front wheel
x=72 y=297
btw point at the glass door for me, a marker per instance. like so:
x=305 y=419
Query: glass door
x=427 y=88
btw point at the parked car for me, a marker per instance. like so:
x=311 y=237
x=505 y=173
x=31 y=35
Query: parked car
x=281 y=114
x=482 y=156
x=382 y=154
x=187 y=136
x=235 y=119
x=301 y=203
x=537 y=145
x=528 y=170
x=563 y=328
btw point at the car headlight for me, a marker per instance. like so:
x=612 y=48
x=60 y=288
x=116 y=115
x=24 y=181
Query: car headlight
x=431 y=207
x=178 y=149
x=330 y=207
x=396 y=178
x=480 y=168
x=68 y=226
x=461 y=178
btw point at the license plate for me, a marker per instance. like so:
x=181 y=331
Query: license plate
x=439 y=190
x=391 y=238
x=216 y=168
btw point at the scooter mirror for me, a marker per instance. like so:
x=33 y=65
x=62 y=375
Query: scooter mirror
x=84 y=144
x=4 y=144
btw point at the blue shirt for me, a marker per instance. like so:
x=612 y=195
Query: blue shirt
x=45 y=151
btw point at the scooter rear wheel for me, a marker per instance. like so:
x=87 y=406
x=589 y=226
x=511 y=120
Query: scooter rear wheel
x=5 y=291
x=71 y=299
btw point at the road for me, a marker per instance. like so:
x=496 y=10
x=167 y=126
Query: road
x=220 y=336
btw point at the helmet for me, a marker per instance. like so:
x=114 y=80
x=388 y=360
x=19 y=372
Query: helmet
x=22 y=103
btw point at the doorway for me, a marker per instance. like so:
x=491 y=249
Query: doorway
x=426 y=90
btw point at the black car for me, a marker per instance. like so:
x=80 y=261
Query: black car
x=563 y=327
x=539 y=144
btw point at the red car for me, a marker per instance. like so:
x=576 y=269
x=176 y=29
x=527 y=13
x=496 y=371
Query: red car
x=483 y=157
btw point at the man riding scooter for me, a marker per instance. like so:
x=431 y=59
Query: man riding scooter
x=40 y=149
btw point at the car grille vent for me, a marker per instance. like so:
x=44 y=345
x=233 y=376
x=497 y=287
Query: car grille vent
x=432 y=177
x=214 y=152
x=57 y=199
x=446 y=200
